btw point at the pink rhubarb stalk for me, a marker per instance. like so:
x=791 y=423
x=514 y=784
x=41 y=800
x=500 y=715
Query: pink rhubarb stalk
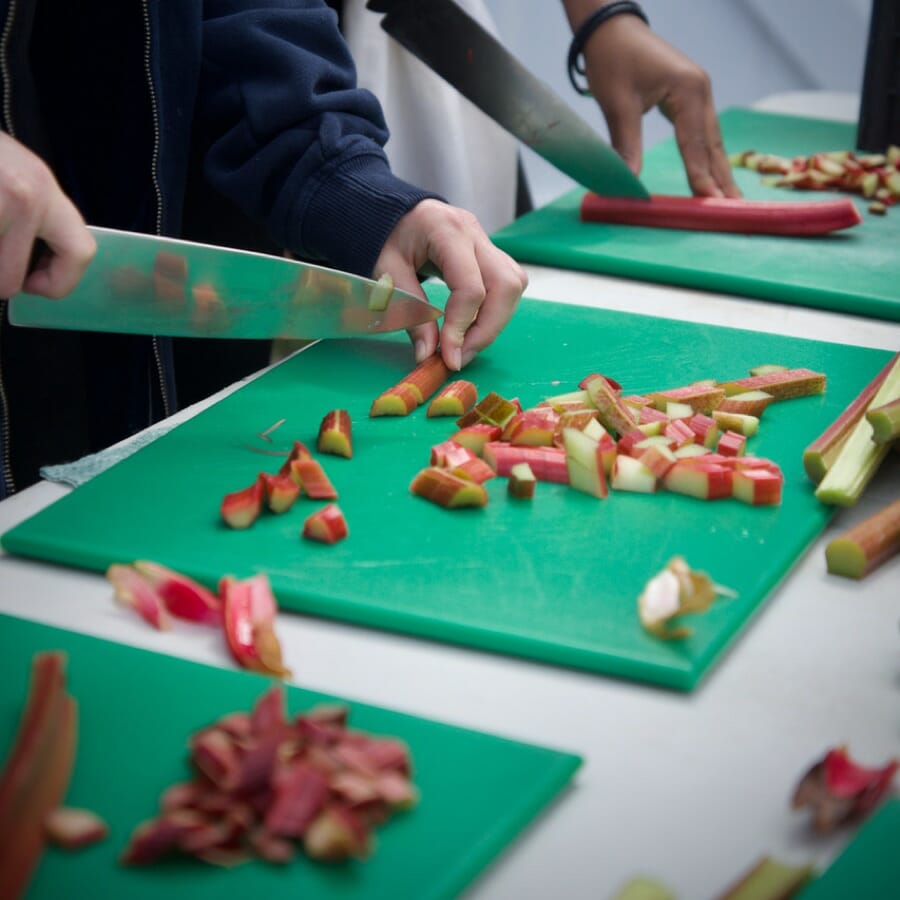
x=724 y=214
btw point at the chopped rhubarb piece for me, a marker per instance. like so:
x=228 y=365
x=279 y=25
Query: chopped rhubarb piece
x=705 y=428
x=335 y=434
x=613 y=384
x=399 y=400
x=135 y=591
x=570 y=400
x=758 y=487
x=866 y=545
x=300 y=793
x=782 y=384
x=532 y=428
x=658 y=459
x=183 y=597
x=249 y=618
x=739 y=422
x=614 y=415
x=820 y=455
x=748 y=403
x=723 y=214
x=241 y=509
x=706 y=481
x=474 y=437
x=629 y=440
x=859 y=456
x=691 y=451
x=448 y=454
x=885 y=421
x=629 y=474
x=298 y=451
x=281 y=492
x=837 y=789
x=521 y=482
x=679 y=432
x=313 y=481
x=767 y=369
x=492 y=409
x=427 y=377
x=731 y=444
x=584 y=463
x=336 y=834
x=445 y=489
x=453 y=399
x=72 y=828
x=547 y=463
x=37 y=770
x=675 y=410
x=701 y=398
x=576 y=418
x=474 y=469
x=327 y=525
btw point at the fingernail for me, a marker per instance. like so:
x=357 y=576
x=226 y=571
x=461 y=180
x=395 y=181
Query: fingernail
x=456 y=359
x=420 y=350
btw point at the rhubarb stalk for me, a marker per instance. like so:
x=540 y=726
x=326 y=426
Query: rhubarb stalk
x=885 y=421
x=723 y=214
x=867 y=545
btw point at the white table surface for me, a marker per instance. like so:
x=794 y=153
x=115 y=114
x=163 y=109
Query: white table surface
x=690 y=789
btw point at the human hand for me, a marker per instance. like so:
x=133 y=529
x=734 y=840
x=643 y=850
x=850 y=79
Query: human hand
x=485 y=284
x=32 y=207
x=630 y=70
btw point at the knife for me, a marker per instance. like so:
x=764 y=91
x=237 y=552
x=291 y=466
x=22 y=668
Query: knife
x=143 y=284
x=463 y=53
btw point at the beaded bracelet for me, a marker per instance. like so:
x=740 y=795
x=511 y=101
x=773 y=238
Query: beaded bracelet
x=588 y=27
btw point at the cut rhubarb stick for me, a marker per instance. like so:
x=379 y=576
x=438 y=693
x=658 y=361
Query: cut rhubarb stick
x=326 y=525
x=570 y=400
x=783 y=384
x=731 y=443
x=72 y=828
x=867 y=545
x=449 y=454
x=240 y=509
x=474 y=437
x=427 y=377
x=183 y=597
x=445 y=489
x=701 y=398
x=705 y=428
x=859 y=456
x=249 y=608
x=584 y=463
x=474 y=469
x=769 y=879
x=313 y=481
x=758 y=487
x=37 y=771
x=732 y=421
x=658 y=459
x=335 y=434
x=547 y=463
x=748 y=403
x=281 y=492
x=614 y=415
x=532 y=428
x=706 y=481
x=399 y=400
x=298 y=451
x=492 y=409
x=454 y=399
x=629 y=474
x=820 y=455
x=521 y=482
x=133 y=590
x=885 y=421
x=802 y=219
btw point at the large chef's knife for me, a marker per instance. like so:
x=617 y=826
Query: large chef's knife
x=142 y=284
x=463 y=53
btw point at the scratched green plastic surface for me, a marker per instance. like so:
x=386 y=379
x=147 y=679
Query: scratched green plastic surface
x=869 y=867
x=555 y=579
x=136 y=711
x=854 y=271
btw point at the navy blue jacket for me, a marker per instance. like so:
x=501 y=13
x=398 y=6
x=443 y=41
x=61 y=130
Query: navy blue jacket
x=287 y=137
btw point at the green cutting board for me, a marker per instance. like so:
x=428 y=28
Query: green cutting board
x=854 y=271
x=869 y=867
x=136 y=712
x=555 y=579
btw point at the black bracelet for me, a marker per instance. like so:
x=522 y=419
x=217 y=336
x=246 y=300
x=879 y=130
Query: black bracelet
x=588 y=27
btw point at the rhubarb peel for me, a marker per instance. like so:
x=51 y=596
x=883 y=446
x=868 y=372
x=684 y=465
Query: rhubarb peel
x=724 y=214
x=249 y=617
x=867 y=545
x=182 y=596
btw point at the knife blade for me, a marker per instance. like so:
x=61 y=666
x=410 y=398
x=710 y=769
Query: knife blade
x=144 y=284
x=467 y=56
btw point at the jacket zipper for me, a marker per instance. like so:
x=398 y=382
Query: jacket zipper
x=9 y=483
x=148 y=72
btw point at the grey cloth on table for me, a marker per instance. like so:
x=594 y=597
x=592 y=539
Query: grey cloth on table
x=82 y=470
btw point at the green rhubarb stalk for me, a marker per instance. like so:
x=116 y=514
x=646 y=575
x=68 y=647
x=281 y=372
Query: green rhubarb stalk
x=885 y=421
x=769 y=880
x=859 y=456
x=867 y=545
